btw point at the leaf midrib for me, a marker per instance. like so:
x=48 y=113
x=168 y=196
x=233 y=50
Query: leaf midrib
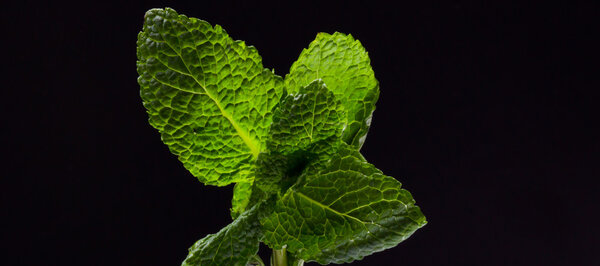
x=243 y=135
x=328 y=207
x=363 y=223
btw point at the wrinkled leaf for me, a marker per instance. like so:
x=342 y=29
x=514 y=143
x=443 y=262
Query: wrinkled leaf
x=208 y=95
x=311 y=115
x=344 y=65
x=235 y=244
x=299 y=177
x=241 y=196
x=304 y=126
x=345 y=212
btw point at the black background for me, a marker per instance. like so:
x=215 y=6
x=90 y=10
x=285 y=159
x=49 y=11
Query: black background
x=486 y=115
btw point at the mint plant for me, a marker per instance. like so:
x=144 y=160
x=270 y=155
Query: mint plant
x=289 y=145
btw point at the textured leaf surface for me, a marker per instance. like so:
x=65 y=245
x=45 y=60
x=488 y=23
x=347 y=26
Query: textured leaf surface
x=269 y=171
x=271 y=168
x=235 y=244
x=241 y=196
x=347 y=211
x=344 y=65
x=304 y=125
x=311 y=115
x=209 y=96
x=299 y=176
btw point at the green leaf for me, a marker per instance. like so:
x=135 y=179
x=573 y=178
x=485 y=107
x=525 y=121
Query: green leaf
x=311 y=115
x=344 y=65
x=241 y=196
x=235 y=244
x=208 y=95
x=269 y=172
x=299 y=176
x=304 y=125
x=271 y=168
x=345 y=212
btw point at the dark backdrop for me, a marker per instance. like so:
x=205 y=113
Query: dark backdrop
x=486 y=115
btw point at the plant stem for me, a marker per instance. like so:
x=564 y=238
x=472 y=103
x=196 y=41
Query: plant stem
x=280 y=258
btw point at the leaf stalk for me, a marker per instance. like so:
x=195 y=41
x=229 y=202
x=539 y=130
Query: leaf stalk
x=283 y=258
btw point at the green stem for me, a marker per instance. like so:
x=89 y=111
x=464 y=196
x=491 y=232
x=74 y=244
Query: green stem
x=280 y=258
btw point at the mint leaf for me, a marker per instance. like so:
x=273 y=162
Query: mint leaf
x=301 y=122
x=241 y=196
x=344 y=65
x=301 y=185
x=345 y=212
x=311 y=115
x=235 y=244
x=208 y=95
